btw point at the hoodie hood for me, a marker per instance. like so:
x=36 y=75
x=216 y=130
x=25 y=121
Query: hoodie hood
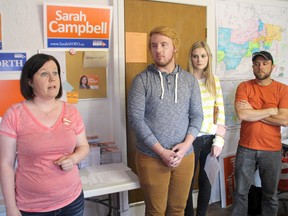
x=175 y=72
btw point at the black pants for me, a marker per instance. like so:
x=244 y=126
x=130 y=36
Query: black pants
x=202 y=147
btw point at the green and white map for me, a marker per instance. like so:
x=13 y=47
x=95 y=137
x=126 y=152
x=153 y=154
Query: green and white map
x=244 y=28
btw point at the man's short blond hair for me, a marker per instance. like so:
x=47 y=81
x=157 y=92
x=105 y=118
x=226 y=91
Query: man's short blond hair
x=168 y=32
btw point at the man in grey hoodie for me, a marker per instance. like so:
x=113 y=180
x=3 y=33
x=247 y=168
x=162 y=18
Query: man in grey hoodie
x=165 y=112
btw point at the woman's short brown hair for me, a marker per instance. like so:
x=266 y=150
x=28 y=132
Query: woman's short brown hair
x=31 y=67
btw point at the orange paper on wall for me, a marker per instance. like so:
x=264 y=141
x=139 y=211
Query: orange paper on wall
x=9 y=94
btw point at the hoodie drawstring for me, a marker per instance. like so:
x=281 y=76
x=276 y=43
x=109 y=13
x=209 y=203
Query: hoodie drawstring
x=162 y=85
x=175 y=86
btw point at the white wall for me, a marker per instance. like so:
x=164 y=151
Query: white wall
x=22 y=29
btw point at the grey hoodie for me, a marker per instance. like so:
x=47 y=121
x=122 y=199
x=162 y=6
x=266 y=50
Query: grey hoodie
x=164 y=108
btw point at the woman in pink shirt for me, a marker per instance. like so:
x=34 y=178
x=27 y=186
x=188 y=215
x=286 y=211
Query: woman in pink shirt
x=46 y=137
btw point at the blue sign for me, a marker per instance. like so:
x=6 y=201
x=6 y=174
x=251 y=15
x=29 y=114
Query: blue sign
x=12 y=61
x=77 y=43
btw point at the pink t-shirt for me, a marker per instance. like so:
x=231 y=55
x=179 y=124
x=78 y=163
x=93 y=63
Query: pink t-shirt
x=41 y=185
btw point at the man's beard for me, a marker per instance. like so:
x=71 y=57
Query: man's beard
x=265 y=76
x=163 y=64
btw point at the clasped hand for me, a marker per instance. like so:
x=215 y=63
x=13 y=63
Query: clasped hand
x=173 y=157
x=65 y=162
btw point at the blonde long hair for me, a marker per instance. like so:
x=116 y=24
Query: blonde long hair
x=208 y=74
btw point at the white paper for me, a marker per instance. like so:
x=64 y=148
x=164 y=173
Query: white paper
x=107 y=168
x=94 y=59
x=107 y=173
x=67 y=86
x=211 y=168
x=285 y=142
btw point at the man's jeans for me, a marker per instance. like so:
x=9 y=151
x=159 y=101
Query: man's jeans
x=269 y=165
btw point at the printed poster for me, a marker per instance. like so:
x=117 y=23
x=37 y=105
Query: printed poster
x=12 y=61
x=78 y=26
x=89 y=82
x=227 y=179
x=245 y=28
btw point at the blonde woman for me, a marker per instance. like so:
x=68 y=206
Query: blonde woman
x=210 y=140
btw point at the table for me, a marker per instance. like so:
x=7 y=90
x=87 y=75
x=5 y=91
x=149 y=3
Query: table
x=285 y=143
x=107 y=179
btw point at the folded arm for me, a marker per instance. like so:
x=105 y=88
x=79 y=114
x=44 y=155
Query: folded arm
x=281 y=119
x=246 y=112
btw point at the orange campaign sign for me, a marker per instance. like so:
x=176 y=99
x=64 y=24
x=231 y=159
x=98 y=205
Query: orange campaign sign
x=227 y=179
x=78 y=26
x=229 y=164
